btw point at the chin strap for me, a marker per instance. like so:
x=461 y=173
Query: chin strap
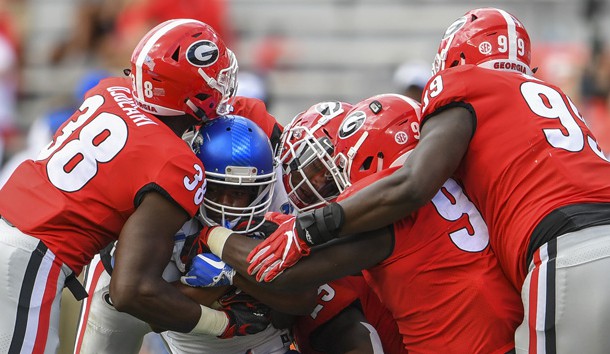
x=199 y=113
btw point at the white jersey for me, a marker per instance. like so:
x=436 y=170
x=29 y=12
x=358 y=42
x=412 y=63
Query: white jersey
x=269 y=341
x=280 y=201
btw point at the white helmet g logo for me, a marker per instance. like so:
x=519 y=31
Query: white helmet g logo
x=202 y=53
x=329 y=108
x=351 y=124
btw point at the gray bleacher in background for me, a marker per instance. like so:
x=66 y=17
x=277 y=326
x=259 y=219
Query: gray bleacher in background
x=337 y=49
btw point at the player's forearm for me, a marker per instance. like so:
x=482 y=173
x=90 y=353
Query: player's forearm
x=294 y=303
x=156 y=302
x=381 y=203
x=235 y=251
x=163 y=307
x=203 y=296
x=443 y=143
x=297 y=278
x=337 y=259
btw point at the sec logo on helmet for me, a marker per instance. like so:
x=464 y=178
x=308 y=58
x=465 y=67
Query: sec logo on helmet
x=202 y=53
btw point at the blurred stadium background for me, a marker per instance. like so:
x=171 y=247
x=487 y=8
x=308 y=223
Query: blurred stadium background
x=292 y=53
x=307 y=50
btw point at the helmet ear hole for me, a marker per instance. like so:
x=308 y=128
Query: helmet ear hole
x=176 y=54
x=327 y=133
x=366 y=164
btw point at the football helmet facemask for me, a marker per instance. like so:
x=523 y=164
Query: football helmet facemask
x=310 y=176
x=486 y=37
x=377 y=133
x=183 y=67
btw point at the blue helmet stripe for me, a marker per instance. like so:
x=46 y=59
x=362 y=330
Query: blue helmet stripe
x=241 y=152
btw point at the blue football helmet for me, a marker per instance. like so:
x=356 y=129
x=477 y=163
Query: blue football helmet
x=240 y=172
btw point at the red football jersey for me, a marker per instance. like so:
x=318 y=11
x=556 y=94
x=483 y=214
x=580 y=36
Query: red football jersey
x=255 y=110
x=530 y=154
x=336 y=296
x=442 y=282
x=80 y=190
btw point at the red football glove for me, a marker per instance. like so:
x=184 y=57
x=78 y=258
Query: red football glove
x=281 y=250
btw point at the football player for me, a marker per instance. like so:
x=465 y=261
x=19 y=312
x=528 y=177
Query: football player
x=240 y=186
x=346 y=306
x=525 y=156
x=433 y=269
x=117 y=169
x=348 y=316
x=103 y=329
x=241 y=178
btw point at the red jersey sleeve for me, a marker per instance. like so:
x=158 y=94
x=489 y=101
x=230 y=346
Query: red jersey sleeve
x=181 y=178
x=443 y=92
x=255 y=110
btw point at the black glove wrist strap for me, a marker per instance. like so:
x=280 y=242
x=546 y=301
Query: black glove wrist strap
x=320 y=225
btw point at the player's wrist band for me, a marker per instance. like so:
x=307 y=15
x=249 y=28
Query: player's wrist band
x=217 y=238
x=211 y=322
x=320 y=225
